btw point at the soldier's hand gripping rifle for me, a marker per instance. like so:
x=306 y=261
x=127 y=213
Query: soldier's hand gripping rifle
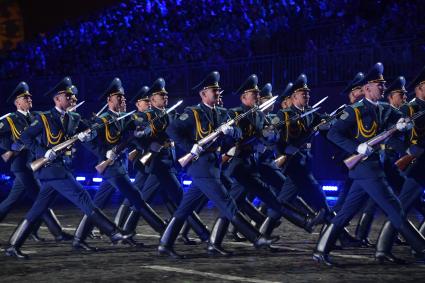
x=280 y=160
x=37 y=164
x=147 y=156
x=353 y=160
x=206 y=141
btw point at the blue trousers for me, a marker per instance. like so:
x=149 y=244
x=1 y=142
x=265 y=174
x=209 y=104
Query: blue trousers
x=67 y=187
x=124 y=185
x=380 y=192
x=24 y=185
x=214 y=190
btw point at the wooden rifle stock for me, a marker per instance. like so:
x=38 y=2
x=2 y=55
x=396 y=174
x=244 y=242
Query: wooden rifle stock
x=37 y=164
x=133 y=154
x=280 y=161
x=7 y=155
x=226 y=157
x=353 y=160
x=404 y=161
x=101 y=167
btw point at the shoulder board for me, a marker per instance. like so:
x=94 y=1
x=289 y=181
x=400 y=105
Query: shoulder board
x=74 y=115
x=104 y=115
x=194 y=107
x=236 y=109
x=357 y=104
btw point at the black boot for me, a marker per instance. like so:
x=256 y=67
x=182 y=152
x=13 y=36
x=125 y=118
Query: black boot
x=83 y=230
x=267 y=228
x=234 y=235
x=384 y=245
x=243 y=226
x=303 y=221
x=152 y=218
x=108 y=227
x=253 y=213
x=18 y=238
x=34 y=234
x=217 y=235
x=169 y=237
x=347 y=240
x=129 y=227
x=184 y=235
x=363 y=228
x=198 y=227
x=303 y=206
x=121 y=215
x=415 y=239
x=54 y=226
x=325 y=245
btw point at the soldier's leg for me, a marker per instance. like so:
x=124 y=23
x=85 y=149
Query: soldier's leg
x=365 y=223
x=329 y=236
x=141 y=208
x=27 y=225
x=16 y=193
x=409 y=194
x=342 y=194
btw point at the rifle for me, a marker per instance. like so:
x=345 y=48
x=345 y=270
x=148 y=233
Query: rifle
x=282 y=159
x=208 y=140
x=101 y=167
x=148 y=155
x=37 y=164
x=405 y=161
x=353 y=160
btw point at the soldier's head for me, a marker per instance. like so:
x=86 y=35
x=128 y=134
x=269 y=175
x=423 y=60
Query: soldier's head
x=141 y=99
x=143 y=105
x=355 y=95
x=249 y=92
x=115 y=96
x=286 y=102
x=209 y=89
x=266 y=94
x=158 y=95
x=21 y=97
x=374 y=83
x=63 y=100
x=219 y=101
x=300 y=92
x=396 y=92
x=420 y=91
x=354 y=89
x=397 y=98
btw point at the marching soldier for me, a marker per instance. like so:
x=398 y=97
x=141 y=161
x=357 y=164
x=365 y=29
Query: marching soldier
x=359 y=123
x=414 y=182
x=194 y=124
x=107 y=146
x=142 y=102
x=47 y=130
x=19 y=157
x=160 y=167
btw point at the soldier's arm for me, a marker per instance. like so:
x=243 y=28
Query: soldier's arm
x=340 y=132
x=30 y=136
x=180 y=130
x=397 y=140
x=5 y=135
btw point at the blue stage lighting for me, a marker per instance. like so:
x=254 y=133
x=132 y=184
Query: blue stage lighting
x=330 y=188
x=97 y=180
x=80 y=178
x=187 y=182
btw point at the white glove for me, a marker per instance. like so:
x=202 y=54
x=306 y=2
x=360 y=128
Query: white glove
x=196 y=150
x=227 y=130
x=404 y=124
x=290 y=149
x=85 y=136
x=110 y=154
x=50 y=155
x=365 y=149
x=415 y=150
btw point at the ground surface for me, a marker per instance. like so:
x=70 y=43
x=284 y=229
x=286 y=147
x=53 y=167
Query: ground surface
x=52 y=261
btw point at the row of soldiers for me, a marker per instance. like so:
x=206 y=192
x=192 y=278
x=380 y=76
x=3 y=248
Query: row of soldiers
x=232 y=156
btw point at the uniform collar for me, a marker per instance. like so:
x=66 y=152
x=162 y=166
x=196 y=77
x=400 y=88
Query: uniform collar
x=60 y=111
x=209 y=107
x=300 y=109
x=26 y=114
x=371 y=102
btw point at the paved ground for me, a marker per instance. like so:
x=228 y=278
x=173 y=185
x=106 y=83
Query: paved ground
x=52 y=261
